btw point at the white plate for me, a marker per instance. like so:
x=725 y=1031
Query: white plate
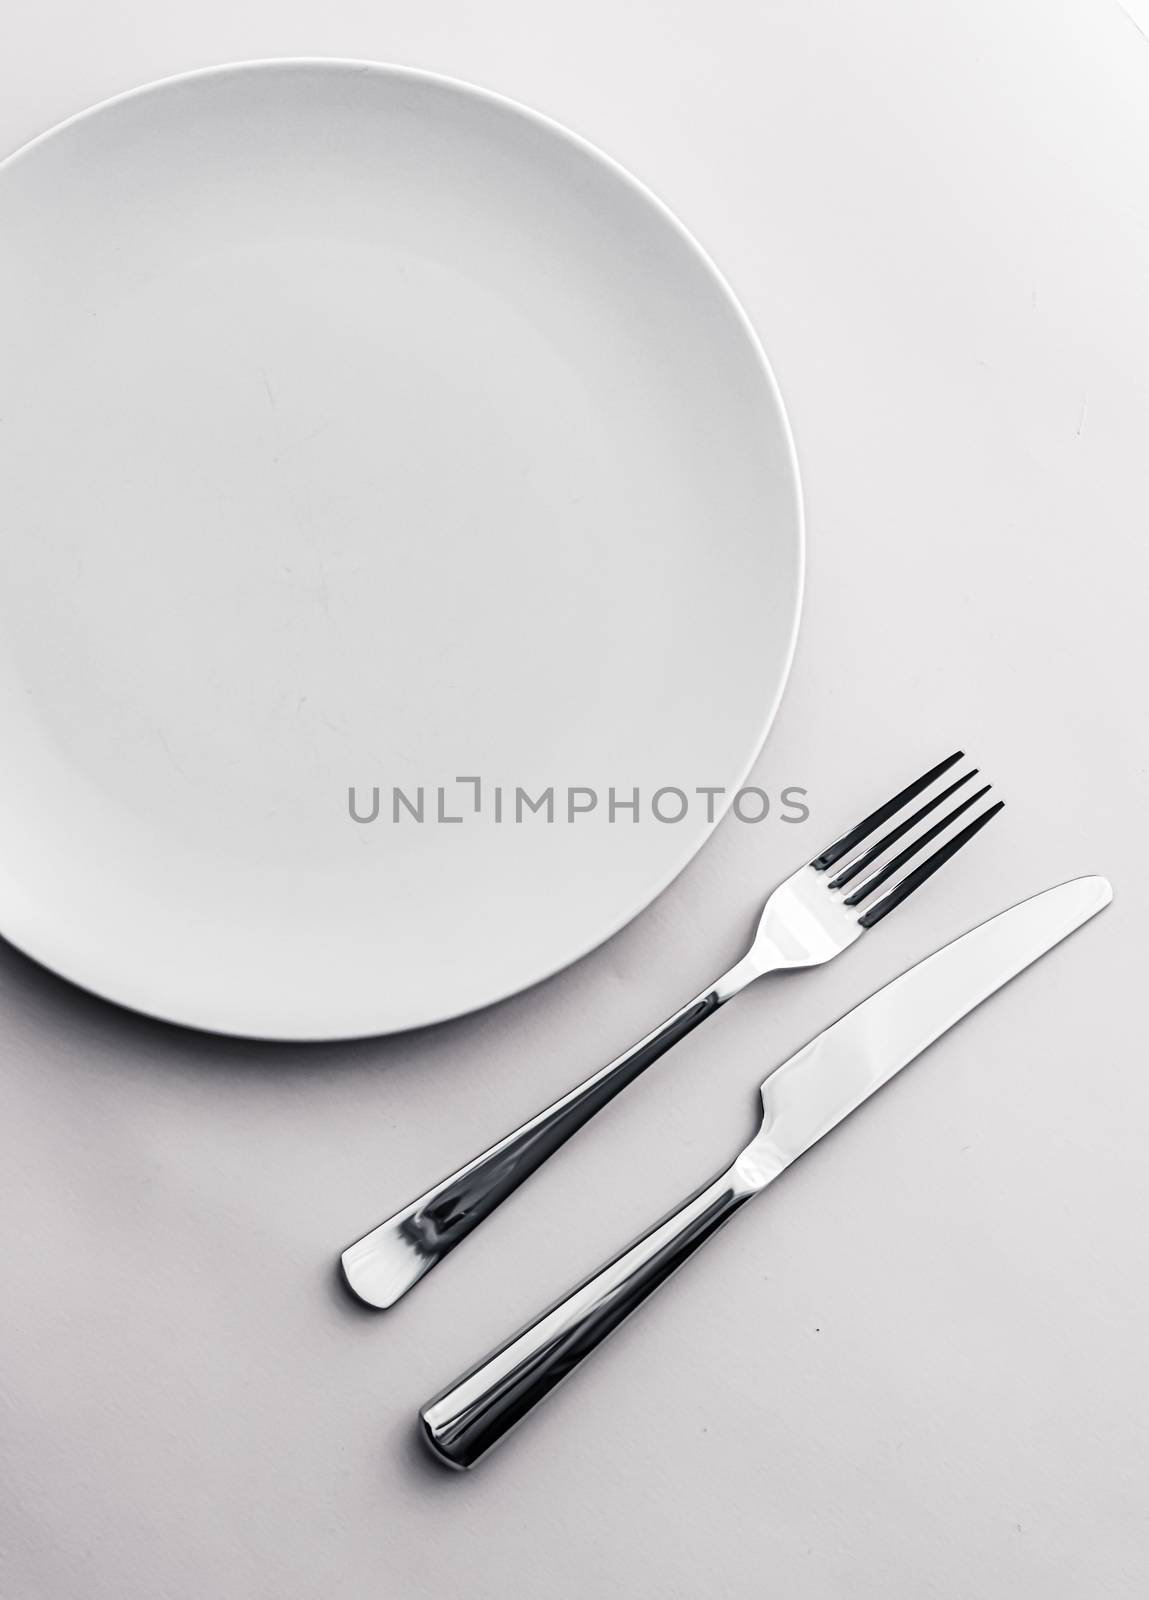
x=361 y=428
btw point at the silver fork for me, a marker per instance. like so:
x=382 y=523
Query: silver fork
x=811 y=917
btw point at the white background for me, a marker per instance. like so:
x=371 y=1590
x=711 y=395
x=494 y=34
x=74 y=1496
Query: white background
x=915 y=1369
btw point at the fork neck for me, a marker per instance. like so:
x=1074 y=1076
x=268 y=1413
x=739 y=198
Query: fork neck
x=740 y=975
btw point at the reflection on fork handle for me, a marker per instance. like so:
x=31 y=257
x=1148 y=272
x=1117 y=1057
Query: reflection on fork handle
x=381 y=1266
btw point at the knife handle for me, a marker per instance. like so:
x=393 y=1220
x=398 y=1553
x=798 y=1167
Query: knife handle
x=381 y=1266
x=462 y=1422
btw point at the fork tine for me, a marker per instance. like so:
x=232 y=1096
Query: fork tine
x=914 y=880
x=842 y=847
x=911 y=850
x=879 y=849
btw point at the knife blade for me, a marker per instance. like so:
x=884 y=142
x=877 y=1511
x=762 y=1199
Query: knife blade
x=802 y=1100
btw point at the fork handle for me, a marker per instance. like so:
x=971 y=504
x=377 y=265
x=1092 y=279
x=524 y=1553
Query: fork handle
x=463 y=1422
x=381 y=1266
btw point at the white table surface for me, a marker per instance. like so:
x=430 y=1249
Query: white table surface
x=918 y=1369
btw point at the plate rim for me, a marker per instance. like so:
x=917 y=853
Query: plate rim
x=131 y=996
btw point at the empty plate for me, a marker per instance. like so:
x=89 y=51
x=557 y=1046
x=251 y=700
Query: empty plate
x=374 y=454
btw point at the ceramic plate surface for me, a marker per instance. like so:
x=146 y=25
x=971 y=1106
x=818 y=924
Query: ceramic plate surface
x=363 y=430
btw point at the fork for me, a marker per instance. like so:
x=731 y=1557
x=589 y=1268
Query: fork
x=810 y=918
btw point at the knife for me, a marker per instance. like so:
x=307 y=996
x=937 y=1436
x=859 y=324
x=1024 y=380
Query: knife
x=801 y=1101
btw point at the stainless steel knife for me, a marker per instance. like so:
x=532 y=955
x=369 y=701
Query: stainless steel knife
x=802 y=1100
